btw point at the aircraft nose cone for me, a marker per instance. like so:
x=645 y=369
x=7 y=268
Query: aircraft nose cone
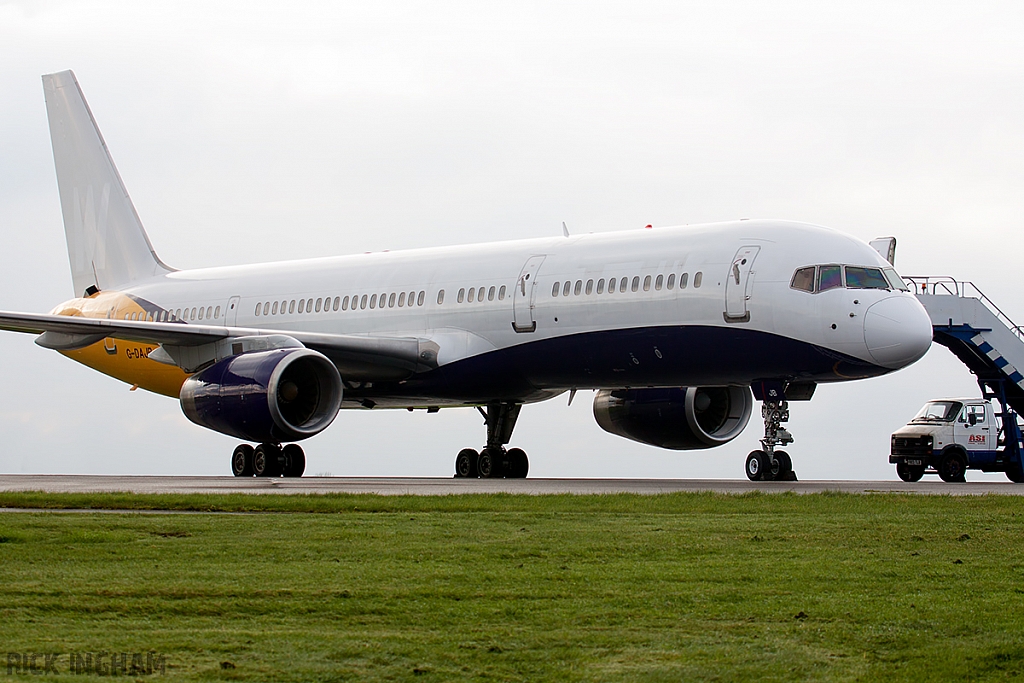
x=897 y=331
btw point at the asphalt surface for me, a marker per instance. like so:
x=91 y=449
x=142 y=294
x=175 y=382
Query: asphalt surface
x=430 y=486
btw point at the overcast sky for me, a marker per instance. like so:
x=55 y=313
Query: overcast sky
x=255 y=132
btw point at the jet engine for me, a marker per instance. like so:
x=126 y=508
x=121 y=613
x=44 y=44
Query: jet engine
x=684 y=418
x=265 y=396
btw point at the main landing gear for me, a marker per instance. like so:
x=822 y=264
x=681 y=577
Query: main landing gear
x=494 y=462
x=268 y=460
x=771 y=464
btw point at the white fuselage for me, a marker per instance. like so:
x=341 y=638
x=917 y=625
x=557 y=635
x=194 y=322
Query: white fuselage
x=741 y=303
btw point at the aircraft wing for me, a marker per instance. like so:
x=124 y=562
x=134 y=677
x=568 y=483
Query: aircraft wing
x=357 y=357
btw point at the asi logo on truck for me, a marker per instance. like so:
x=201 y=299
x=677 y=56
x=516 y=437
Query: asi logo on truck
x=976 y=438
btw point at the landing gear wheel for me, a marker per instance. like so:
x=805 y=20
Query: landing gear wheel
x=519 y=464
x=465 y=464
x=266 y=460
x=783 y=466
x=294 y=460
x=489 y=464
x=952 y=467
x=241 y=461
x=1015 y=474
x=909 y=472
x=757 y=465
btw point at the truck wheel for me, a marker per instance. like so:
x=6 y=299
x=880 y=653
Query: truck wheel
x=909 y=472
x=953 y=467
x=1015 y=474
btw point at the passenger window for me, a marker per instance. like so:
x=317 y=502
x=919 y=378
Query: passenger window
x=469 y=297
x=501 y=293
x=671 y=281
x=611 y=285
x=216 y=313
x=684 y=280
x=362 y=302
x=636 y=283
x=578 y=288
x=647 y=283
x=391 y=300
x=490 y=294
x=177 y=313
x=318 y=302
x=865 y=278
x=554 y=288
x=344 y=304
x=440 y=297
x=462 y=296
x=829 y=277
x=373 y=301
x=419 y=299
x=291 y=306
x=566 y=287
x=401 y=299
x=259 y=307
x=803 y=279
x=337 y=302
x=600 y=286
x=657 y=282
x=698 y=277
x=623 y=283
x=274 y=309
x=265 y=307
x=590 y=286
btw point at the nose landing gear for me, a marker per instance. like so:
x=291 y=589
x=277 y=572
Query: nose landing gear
x=770 y=464
x=494 y=462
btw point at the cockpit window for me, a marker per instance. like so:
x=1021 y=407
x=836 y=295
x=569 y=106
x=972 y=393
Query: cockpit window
x=803 y=279
x=829 y=277
x=865 y=278
x=895 y=280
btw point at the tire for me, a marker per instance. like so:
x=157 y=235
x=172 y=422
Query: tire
x=241 y=460
x=294 y=460
x=953 y=467
x=489 y=464
x=757 y=465
x=465 y=464
x=1015 y=474
x=266 y=460
x=519 y=463
x=909 y=473
x=784 y=467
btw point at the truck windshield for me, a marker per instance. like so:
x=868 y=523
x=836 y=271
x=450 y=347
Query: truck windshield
x=939 y=411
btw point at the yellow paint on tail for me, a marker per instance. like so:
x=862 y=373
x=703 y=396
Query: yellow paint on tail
x=127 y=361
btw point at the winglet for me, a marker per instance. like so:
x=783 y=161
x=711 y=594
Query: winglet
x=107 y=245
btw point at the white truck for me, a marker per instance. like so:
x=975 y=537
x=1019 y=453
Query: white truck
x=950 y=436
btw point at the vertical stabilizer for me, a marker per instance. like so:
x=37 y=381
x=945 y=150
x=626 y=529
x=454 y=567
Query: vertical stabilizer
x=107 y=245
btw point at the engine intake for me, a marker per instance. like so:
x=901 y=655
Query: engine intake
x=265 y=396
x=686 y=418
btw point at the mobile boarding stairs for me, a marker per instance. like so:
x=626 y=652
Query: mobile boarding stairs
x=991 y=345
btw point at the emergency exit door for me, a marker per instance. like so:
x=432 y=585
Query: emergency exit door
x=738 y=285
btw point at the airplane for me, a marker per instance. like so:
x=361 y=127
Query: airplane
x=677 y=329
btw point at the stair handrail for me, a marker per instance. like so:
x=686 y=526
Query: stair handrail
x=943 y=285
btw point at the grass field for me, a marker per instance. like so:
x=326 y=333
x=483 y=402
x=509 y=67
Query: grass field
x=622 y=587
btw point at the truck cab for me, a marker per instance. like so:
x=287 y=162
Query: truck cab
x=950 y=436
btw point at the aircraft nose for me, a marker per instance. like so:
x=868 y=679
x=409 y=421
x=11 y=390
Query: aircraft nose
x=897 y=331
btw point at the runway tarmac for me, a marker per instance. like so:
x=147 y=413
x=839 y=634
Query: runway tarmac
x=435 y=486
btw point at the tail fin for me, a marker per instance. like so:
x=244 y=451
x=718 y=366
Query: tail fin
x=107 y=245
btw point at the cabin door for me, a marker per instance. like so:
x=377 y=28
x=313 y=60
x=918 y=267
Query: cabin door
x=738 y=285
x=523 y=296
x=232 y=312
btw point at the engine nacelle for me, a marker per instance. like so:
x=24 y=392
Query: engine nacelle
x=265 y=396
x=686 y=418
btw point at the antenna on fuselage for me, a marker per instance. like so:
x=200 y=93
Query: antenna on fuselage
x=565 y=229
